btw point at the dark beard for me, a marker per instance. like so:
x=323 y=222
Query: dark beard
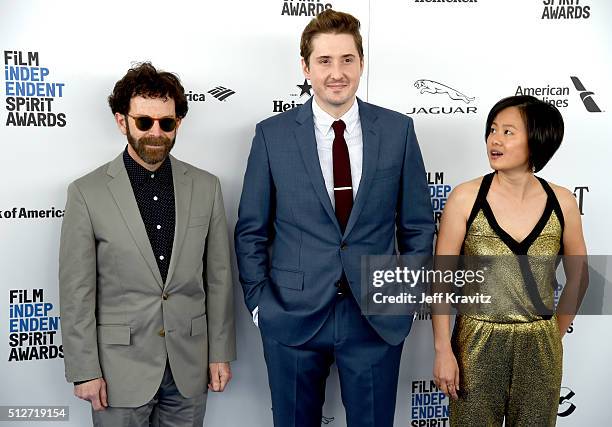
x=149 y=156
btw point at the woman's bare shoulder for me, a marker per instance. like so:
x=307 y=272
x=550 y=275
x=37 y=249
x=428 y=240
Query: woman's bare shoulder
x=466 y=192
x=566 y=198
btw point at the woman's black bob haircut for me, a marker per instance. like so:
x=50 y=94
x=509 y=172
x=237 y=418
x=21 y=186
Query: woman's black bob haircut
x=544 y=125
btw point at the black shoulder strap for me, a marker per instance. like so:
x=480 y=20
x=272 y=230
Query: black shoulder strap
x=556 y=207
x=553 y=198
x=480 y=198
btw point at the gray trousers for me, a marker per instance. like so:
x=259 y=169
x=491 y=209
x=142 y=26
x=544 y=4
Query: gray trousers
x=167 y=409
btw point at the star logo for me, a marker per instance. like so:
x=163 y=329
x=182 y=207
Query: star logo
x=305 y=88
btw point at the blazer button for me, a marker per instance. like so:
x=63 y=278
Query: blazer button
x=162 y=333
x=164 y=296
x=343 y=246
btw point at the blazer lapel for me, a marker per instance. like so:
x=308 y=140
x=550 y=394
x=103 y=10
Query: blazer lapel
x=371 y=144
x=307 y=144
x=121 y=189
x=183 y=185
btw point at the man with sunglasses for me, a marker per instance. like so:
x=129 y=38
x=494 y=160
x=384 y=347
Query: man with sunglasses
x=145 y=278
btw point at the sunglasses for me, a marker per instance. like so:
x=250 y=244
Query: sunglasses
x=144 y=123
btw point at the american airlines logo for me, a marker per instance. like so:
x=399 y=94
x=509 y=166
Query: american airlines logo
x=221 y=93
x=586 y=96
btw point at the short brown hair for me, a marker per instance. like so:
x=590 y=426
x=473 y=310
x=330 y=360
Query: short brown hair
x=146 y=81
x=326 y=22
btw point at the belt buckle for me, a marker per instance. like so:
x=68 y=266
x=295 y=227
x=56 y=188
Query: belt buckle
x=341 y=288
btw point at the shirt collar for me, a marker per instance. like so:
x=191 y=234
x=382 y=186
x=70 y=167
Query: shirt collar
x=323 y=120
x=139 y=175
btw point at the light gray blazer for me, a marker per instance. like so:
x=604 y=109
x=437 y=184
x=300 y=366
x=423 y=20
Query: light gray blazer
x=119 y=320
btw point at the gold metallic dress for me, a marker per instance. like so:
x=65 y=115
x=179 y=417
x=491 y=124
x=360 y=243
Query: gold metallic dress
x=510 y=357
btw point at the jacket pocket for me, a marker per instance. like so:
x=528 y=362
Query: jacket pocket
x=387 y=173
x=197 y=221
x=287 y=279
x=114 y=334
x=198 y=325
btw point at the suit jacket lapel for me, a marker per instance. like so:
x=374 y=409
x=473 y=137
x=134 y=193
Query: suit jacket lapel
x=183 y=186
x=121 y=189
x=307 y=144
x=371 y=144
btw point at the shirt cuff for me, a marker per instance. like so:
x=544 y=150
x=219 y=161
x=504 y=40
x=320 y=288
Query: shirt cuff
x=83 y=382
x=256 y=316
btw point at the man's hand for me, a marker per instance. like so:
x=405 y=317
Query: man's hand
x=93 y=391
x=220 y=374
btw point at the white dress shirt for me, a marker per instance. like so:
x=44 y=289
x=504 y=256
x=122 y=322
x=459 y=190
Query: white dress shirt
x=324 y=135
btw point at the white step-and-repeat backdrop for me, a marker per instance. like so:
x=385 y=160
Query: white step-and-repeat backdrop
x=444 y=63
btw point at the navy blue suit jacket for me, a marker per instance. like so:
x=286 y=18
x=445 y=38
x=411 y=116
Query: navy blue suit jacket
x=289 y=246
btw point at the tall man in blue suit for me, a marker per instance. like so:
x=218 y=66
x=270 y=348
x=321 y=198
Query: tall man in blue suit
x=327 y=183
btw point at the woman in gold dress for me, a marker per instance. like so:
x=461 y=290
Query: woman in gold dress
x=505 y=366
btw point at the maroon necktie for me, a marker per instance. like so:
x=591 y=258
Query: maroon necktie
x=343 y=185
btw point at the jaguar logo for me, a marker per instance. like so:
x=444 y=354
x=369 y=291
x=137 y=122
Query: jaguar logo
x=433 y=87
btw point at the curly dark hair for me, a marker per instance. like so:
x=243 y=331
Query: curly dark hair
x=144 y=80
